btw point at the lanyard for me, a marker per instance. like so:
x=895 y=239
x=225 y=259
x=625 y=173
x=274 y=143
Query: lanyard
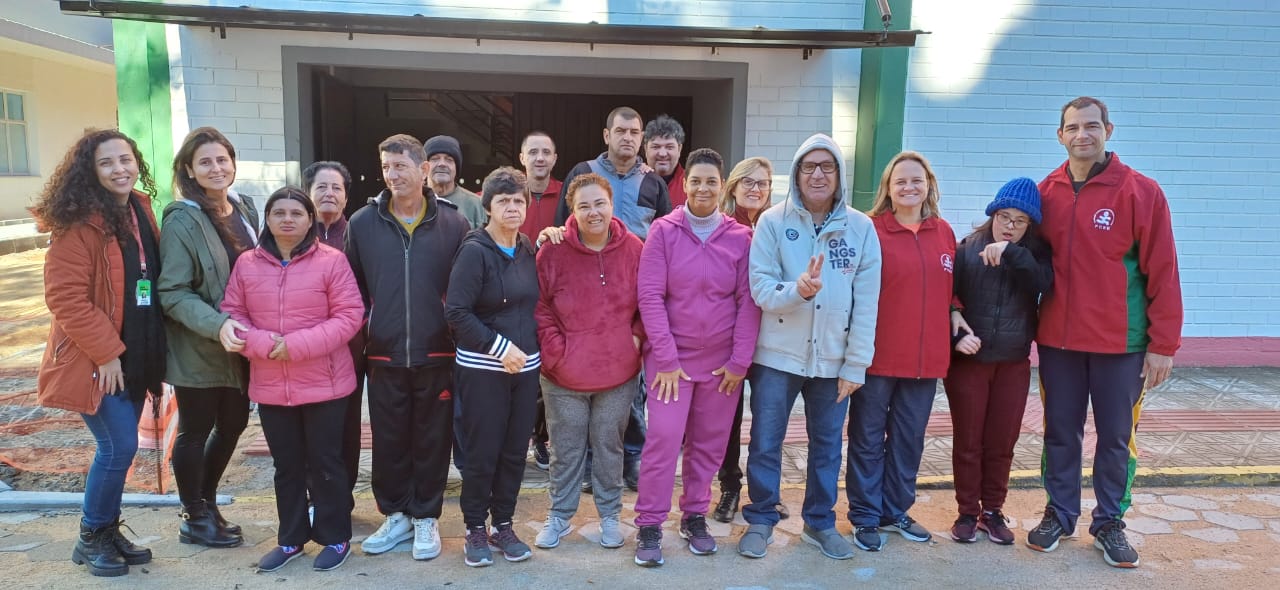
x=137 y=236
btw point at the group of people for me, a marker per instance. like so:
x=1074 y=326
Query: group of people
x=614 y=319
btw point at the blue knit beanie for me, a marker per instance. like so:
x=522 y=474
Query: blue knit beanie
x=1020 y=193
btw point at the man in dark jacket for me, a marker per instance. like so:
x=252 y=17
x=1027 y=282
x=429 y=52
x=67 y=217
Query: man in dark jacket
x=409 y=350
x=328 y=184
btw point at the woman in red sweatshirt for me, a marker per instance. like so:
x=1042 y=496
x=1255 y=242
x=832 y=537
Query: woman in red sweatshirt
x=888 y=415
x=589 y=333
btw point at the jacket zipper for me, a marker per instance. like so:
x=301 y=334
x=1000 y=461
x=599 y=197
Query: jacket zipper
x=1071 y=235
x=284 y=275
x=1000 y=297
x=924 y=293
x=408 y=244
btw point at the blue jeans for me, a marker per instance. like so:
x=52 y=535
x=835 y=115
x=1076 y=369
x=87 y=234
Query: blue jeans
x=886 y=438
x=773 y=393
x=115 y=428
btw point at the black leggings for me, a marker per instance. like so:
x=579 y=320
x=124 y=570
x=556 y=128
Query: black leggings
x=209 y=425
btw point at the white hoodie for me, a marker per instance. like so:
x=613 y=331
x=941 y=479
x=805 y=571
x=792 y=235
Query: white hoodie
x=833 y=334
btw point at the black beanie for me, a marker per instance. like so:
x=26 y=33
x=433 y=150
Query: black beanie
x=443 y=144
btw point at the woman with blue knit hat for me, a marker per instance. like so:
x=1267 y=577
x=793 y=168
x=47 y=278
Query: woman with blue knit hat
x=1001 y=269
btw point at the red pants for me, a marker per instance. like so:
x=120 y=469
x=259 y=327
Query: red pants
x=987 y=402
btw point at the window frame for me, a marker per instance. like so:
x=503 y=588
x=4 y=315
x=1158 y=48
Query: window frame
x=5 y=123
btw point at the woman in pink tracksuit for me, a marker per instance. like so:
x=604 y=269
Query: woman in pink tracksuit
x=695 y=303
x=299 y=301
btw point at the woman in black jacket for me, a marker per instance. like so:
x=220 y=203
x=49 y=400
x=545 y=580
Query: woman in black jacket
x=1001 y=269
x=493 y=290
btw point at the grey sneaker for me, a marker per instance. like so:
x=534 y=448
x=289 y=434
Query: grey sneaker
x=476 y=552
x=832 y=543
x=908 y=528
x=694 y=530
x=610 y=534
x=426 y=538
x=755 y=542
x=555 y=529
x=504 y=538
x=396 y=529
x=867 y=538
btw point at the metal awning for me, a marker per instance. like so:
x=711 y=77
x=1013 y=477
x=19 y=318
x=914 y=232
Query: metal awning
x=223 y=18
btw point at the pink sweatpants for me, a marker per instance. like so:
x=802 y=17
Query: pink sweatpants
x=700 y=420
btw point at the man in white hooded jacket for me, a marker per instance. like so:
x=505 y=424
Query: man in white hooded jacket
x=815 y=273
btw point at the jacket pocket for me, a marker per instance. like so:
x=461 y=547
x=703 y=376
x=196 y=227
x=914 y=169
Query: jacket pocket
x=835 y=334
x=784 y=336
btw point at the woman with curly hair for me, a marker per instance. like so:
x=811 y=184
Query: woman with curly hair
x=106 y=323
x=205 y=230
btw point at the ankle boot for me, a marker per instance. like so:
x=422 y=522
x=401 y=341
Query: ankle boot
x=96 y=550
x=230 y=527
x=132 y=554
x=199 y=528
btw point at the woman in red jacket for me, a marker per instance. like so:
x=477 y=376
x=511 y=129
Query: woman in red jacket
x=299 y=302
x=589 y=331
x=106 y=323
x=888 y=415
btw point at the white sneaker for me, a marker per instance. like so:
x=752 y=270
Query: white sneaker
x=426 y=538
x=395 y=530
x=610 y=535
x=552 y=532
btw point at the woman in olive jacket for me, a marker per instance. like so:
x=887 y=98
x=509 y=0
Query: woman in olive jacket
x=106 y=323
x=205 y=230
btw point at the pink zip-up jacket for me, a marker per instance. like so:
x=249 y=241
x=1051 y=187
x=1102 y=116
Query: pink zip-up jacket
x=315 y=304
x=695 y=299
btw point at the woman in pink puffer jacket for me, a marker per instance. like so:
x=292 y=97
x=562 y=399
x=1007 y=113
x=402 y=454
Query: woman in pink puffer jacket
x=299 y=301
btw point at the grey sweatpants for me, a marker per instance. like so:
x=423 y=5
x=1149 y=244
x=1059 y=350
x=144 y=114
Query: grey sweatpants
x=572 y=418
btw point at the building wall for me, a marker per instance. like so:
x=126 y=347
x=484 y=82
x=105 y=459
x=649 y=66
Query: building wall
x=1194 y=95
x=237 y=84
x=57 y=112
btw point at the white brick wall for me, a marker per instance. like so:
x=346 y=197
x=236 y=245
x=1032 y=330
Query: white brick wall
x=1194 y=93
x=235 y=84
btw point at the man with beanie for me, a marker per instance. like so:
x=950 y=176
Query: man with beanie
x=815 y=273
x=445 y=157
x=1108 y=329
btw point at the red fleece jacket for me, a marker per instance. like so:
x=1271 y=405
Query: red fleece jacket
x=587 y=310
x=913 y=326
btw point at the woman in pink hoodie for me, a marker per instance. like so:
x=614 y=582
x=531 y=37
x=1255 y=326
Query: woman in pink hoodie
x=701 y=324
x=300 y=304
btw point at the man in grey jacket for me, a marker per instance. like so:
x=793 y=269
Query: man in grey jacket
x=815 y=273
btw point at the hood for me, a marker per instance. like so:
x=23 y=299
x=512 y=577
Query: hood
x=817 y=141
x=482 y=237
x=617 y=235
x=382 y=202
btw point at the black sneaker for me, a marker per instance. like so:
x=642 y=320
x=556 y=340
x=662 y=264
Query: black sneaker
x=476 y=552
x=867 y=538
x=908 y=528
x=727 y=507
x=541 y=456
x=332 y=557
x=279 y=557
x=1045 y=537
x=649 y=546
x=505 y=539
x=1115 y=547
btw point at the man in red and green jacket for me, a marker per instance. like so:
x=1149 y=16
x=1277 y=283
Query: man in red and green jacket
x=1109 y=328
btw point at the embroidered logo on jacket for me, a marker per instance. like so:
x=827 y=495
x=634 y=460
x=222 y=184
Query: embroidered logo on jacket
x=1103 y=219
x=947 y=263
x=792 y=234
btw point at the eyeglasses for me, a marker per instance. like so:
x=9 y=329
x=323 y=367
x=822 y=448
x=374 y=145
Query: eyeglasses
x=809 y=167
x=752 y=184
x=1005 y=220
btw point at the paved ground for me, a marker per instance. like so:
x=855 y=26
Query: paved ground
x=1205 y=426
x=1188 y=538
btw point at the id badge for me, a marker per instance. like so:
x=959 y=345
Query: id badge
x=143 y=292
